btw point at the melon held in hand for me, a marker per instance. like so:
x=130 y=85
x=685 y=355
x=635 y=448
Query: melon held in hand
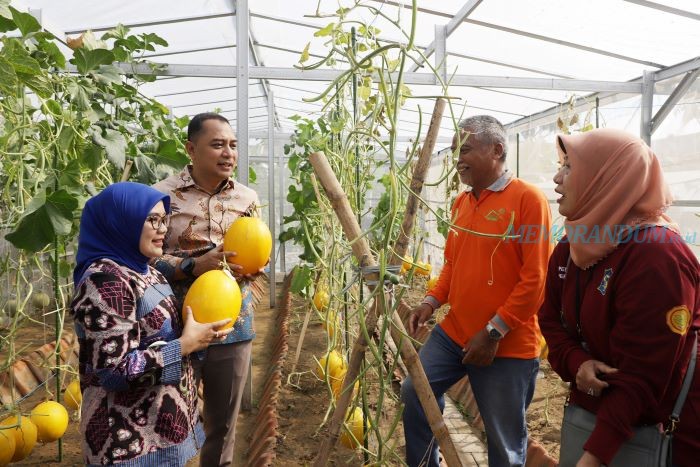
x=250 y=238
x=213 y=296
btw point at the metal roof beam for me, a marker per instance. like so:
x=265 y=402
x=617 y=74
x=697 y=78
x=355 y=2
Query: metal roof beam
x=454 y=53
x=249 y=108
x=668 y=72
x=515 y=94
x=189 y=51
x=223 y=101
x=544 y=83
x=298 y=52
x=530 y=35
x=665 y=8
x=678 y=69
x=673 y=99
x=218 y=88
x=457 y=80
x=454 y=22
x=510 y=65
x=261 y=72
x=280 y=19
x=148 y=23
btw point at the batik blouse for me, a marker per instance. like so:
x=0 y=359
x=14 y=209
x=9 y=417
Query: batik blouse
x=138 y=391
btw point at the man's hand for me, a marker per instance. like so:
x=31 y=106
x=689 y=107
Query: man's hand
x=236 y=268
x=210 y=260
x=587 y=377
x=418 y=318
x=480 y=350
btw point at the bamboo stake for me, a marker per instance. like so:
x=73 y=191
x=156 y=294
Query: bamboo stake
x=360 y=247
x=127 y=170
x=419 y=173
x=417 y=180
x=362 y=252
x=301 y=340
x=408 y=353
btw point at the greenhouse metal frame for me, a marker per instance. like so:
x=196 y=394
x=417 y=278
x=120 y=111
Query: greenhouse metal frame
x=254 y=80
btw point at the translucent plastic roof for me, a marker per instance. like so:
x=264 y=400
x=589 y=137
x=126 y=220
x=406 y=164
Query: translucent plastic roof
x=594 y=40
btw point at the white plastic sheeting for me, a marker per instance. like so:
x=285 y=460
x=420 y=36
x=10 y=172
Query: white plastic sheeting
x=598 y=40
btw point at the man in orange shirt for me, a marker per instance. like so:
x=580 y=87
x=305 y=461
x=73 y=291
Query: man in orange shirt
x=493 y=278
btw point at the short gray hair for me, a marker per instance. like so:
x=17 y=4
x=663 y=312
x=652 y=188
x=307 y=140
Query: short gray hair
x=486 y=130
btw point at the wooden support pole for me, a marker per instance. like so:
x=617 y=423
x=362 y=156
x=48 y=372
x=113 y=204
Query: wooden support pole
x=417 y=180
x=408 y=353
x=364 y=256
x=410 y=358
x=127 y=170
x=360 y=247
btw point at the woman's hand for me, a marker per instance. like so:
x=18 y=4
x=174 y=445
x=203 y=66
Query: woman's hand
x=587 y=377
x=588 y=460
x=197 y=336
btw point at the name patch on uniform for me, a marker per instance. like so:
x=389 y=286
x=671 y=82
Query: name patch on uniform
x=562 y=272
x=603 y=287
x=678 y=319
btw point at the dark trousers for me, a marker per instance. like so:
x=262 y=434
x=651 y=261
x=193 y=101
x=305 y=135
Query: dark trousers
x=223 y=371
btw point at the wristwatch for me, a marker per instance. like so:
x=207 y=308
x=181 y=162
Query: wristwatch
x=494 y=334
x=187 y=266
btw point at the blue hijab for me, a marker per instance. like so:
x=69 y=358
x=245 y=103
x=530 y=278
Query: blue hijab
x=111 y=226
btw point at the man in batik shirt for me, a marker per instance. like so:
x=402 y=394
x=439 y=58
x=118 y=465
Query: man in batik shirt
x=204 y=203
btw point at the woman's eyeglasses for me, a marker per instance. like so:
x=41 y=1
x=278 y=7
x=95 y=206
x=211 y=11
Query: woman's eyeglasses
x=158 y=221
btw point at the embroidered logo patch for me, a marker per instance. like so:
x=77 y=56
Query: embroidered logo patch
x=495 y=216
x=603 y=286
x=678 y=319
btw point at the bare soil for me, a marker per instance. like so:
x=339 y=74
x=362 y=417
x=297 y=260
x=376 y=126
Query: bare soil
x=29 y=337
x=304 y=399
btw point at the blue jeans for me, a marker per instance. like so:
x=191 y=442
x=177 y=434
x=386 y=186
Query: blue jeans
x=502 y=390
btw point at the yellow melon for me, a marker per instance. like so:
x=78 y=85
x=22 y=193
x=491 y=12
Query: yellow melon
x=51 y=420
x=214 y=296
x=7 y=446
x=251 y=239
x=25 y=433
x=353 y=424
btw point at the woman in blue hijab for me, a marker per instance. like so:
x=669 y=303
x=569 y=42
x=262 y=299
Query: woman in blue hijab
x=139 y=397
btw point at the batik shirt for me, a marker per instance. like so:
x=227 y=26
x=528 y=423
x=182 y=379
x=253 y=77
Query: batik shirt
x=198 y=223
x=138 y=390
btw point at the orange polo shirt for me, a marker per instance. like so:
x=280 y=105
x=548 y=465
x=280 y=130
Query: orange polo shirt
x=487 y=276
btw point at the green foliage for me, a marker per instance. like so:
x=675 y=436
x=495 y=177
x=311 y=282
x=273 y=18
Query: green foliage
x=360 y=105
x=304 y=226
x=65 y=136
x=301 y=278
x=46 y=216
x=381 y=213
x=90 y=60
